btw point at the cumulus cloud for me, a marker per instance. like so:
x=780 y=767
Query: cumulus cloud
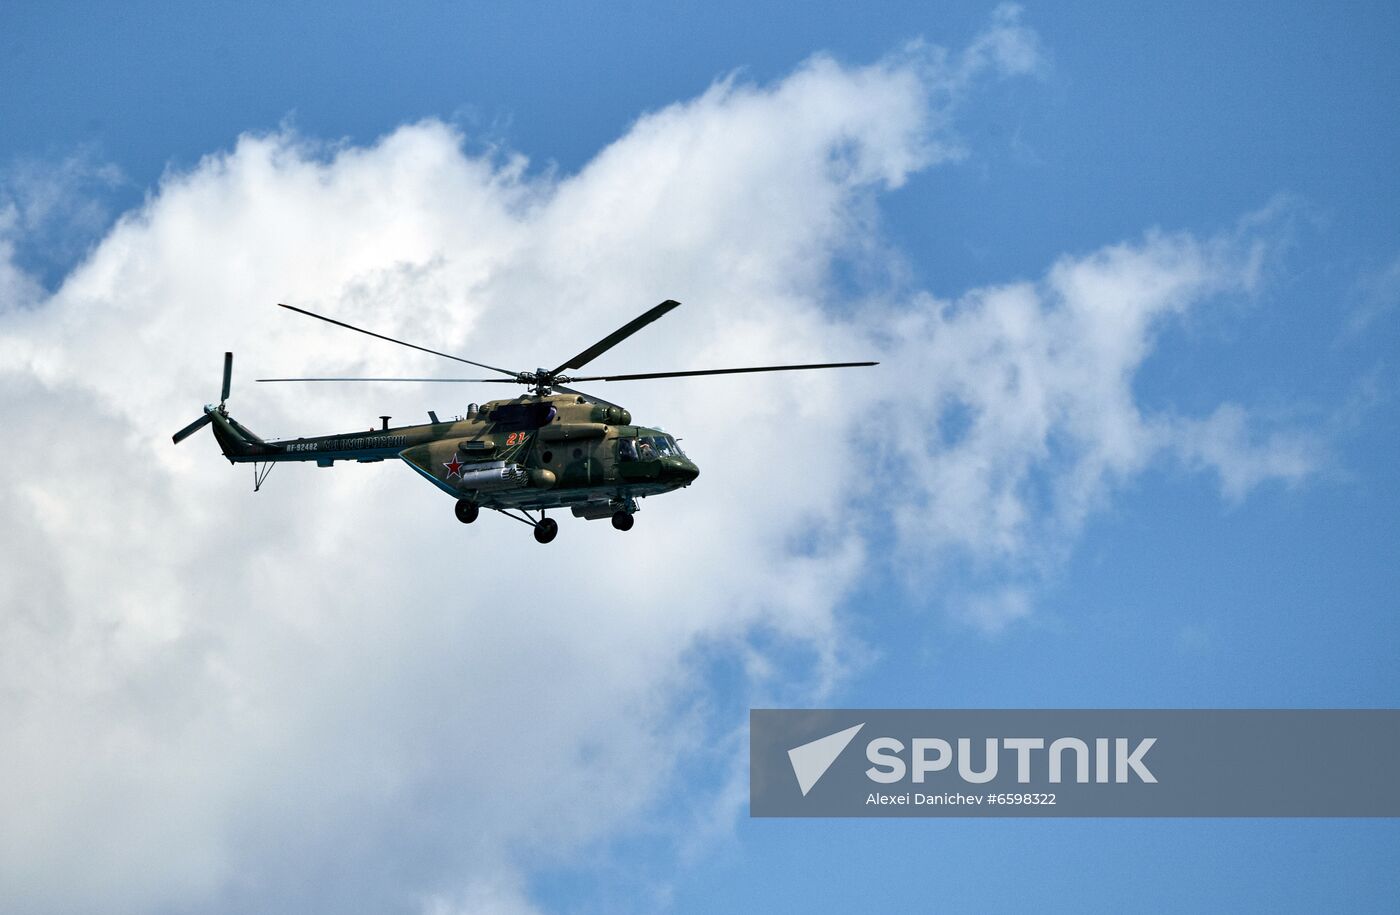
x=1019 y=418
x=331 y=695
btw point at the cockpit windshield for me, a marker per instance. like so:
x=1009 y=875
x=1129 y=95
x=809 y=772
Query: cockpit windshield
x=649 y=448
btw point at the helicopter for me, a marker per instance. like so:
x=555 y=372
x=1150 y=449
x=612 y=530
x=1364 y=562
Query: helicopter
x=552 y=447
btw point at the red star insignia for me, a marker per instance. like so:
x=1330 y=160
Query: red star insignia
x=454 y=467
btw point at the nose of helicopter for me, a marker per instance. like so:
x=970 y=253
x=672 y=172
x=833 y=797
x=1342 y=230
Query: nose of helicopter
x=679 y=471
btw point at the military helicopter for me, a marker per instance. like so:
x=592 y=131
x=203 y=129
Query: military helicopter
x=552 y=447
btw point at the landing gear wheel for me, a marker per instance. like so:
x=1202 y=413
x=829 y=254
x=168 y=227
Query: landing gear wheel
x=546 y=530
x=623 y=521
x=467 y=511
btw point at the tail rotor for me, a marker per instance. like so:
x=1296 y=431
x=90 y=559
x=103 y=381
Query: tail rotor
x=208 y=416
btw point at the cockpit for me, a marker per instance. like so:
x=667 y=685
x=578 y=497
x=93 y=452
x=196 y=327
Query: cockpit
x=648 y=446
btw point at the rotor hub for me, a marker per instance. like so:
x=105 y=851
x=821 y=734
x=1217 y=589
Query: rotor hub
x=542 y=380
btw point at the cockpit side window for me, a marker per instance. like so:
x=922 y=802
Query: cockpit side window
x=627 y=449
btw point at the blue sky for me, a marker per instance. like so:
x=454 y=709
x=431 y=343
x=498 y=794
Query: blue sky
x=1230 y=125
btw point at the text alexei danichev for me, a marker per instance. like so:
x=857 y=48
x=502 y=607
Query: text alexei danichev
x=919 y=799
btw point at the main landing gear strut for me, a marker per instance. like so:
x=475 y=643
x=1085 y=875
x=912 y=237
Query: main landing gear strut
x=546 y=529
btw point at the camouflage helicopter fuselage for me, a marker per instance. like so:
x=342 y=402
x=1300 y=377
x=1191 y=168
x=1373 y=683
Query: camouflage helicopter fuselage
x=534 y=452
x=553 y=448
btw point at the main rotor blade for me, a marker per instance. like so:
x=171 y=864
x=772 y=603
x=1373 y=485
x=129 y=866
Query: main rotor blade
x=191 y=429
x=617 y=336
x=228 y=376
x=361 y=330
x=757 y=368
x=450 y=380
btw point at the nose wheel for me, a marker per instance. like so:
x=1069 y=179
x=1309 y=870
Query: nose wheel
x=623 y=520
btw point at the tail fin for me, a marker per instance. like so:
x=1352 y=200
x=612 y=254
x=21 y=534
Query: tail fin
x=236 y=440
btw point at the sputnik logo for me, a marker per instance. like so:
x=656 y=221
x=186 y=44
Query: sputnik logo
x=811 y=760
x=454 y=467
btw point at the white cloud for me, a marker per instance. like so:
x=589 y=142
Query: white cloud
x=1008 y=46
x=56 y=209
x=1377 y=294
x=331 y=695
x=1019 y=418
x=1243 y=455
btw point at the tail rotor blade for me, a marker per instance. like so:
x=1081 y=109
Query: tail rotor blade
x=191 y=429
x=228 y=376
